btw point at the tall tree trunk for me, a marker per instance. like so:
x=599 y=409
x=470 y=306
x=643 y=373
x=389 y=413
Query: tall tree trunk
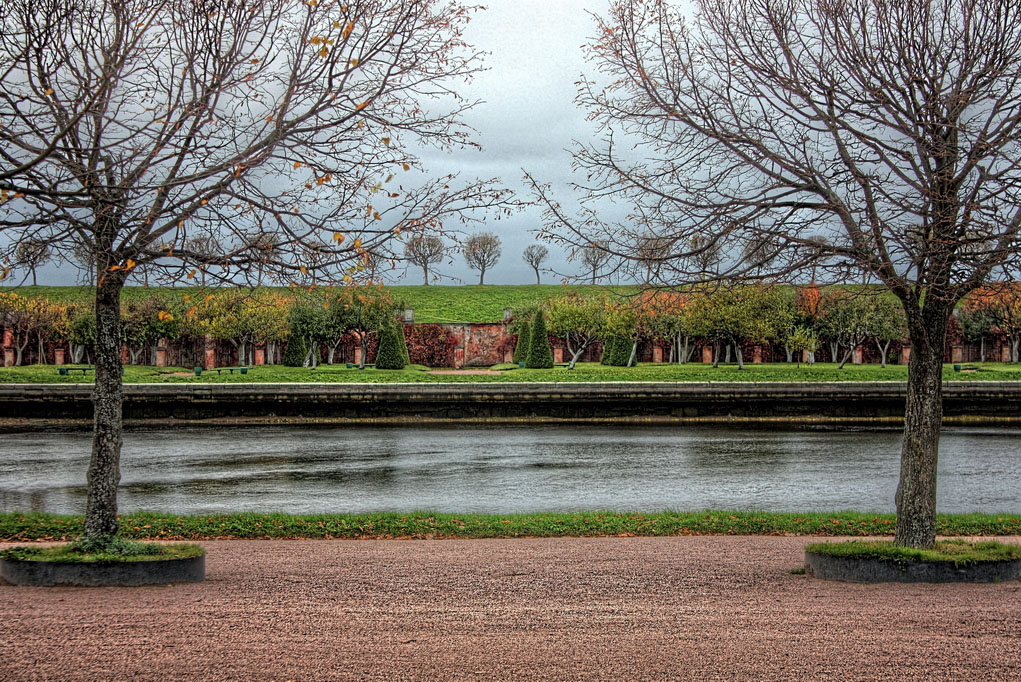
x=104 y=467
x=34 y=283
x=537 y=280
x=923 y=414
x=425 y=271
x=716 y=354
x=1014 y=342
x=482 y=275
x=634 y=351
x=982 y=348
x=790 y=353
x=834 y=351
x=726 y=360
x=41 y=360
x=847 y=356
x=593 y=276
x=740 y=356
x=575 y=356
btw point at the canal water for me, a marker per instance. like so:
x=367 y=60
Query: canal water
x=508 y=469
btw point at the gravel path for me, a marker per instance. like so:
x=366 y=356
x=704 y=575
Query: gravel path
x=575 y=608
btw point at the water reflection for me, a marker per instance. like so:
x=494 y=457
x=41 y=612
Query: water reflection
x=506 y=469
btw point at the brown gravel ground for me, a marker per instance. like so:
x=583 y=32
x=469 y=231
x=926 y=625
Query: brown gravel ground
x=571 y=608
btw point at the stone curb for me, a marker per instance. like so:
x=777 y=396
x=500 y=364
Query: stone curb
x=122 y=574
x=856 y=570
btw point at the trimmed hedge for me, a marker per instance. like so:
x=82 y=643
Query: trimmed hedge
x=540 y=355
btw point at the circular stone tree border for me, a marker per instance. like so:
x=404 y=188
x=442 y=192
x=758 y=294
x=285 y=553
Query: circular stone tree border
x=116 y=574
x=859 y=570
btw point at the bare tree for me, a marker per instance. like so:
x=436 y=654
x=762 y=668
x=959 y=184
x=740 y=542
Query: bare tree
x=262 y=250
x=81 y=256
x=30 y=254
x=424 y=250
x=130 y=127
x=481 y=252
x=651 y=253
x=205 y=249
x=594 y=257
x=706 y=254
x=861 y=136
x=534 y=255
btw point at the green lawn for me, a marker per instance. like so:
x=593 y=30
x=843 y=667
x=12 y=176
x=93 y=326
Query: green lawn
x=470 y=303
x=585 y=372
x=146 y=525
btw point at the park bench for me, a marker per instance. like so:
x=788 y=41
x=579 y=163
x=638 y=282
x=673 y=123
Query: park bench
x=65 y=371
x=218 y=370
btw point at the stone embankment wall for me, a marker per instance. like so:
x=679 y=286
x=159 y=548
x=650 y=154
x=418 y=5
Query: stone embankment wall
x=571 y=401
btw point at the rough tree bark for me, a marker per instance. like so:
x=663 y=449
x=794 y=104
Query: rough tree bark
x=923 y=415
x=104 y=466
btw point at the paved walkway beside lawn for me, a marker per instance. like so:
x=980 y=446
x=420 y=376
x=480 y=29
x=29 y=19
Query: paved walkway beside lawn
x=572 y=608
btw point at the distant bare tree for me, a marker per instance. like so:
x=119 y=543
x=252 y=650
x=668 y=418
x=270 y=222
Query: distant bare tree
x=127 y=128
x=262 y=250
x=425 y=250
x=858 y=136
x=82 y=257
x=30 y=254
x=205 y=250
x=534 y=255
x=481 y=252
x=594 y=257
x=706 y=254
x=651 y=253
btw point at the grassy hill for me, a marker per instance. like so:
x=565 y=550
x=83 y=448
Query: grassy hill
x=466 y=303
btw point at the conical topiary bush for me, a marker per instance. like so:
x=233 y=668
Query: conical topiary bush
x=521 y=349
x=390 y=354
x=296 y=350
x=617 y=351
x=404 y=344
x=540 y=355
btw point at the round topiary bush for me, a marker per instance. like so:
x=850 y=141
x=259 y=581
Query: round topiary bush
x=392 y=350
x=540 y=355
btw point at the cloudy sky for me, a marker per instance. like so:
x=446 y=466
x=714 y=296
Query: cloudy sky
x=527 y=120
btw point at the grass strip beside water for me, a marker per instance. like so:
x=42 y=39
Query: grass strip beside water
x=505 y=373
x=154 y=526
x=958 y=552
